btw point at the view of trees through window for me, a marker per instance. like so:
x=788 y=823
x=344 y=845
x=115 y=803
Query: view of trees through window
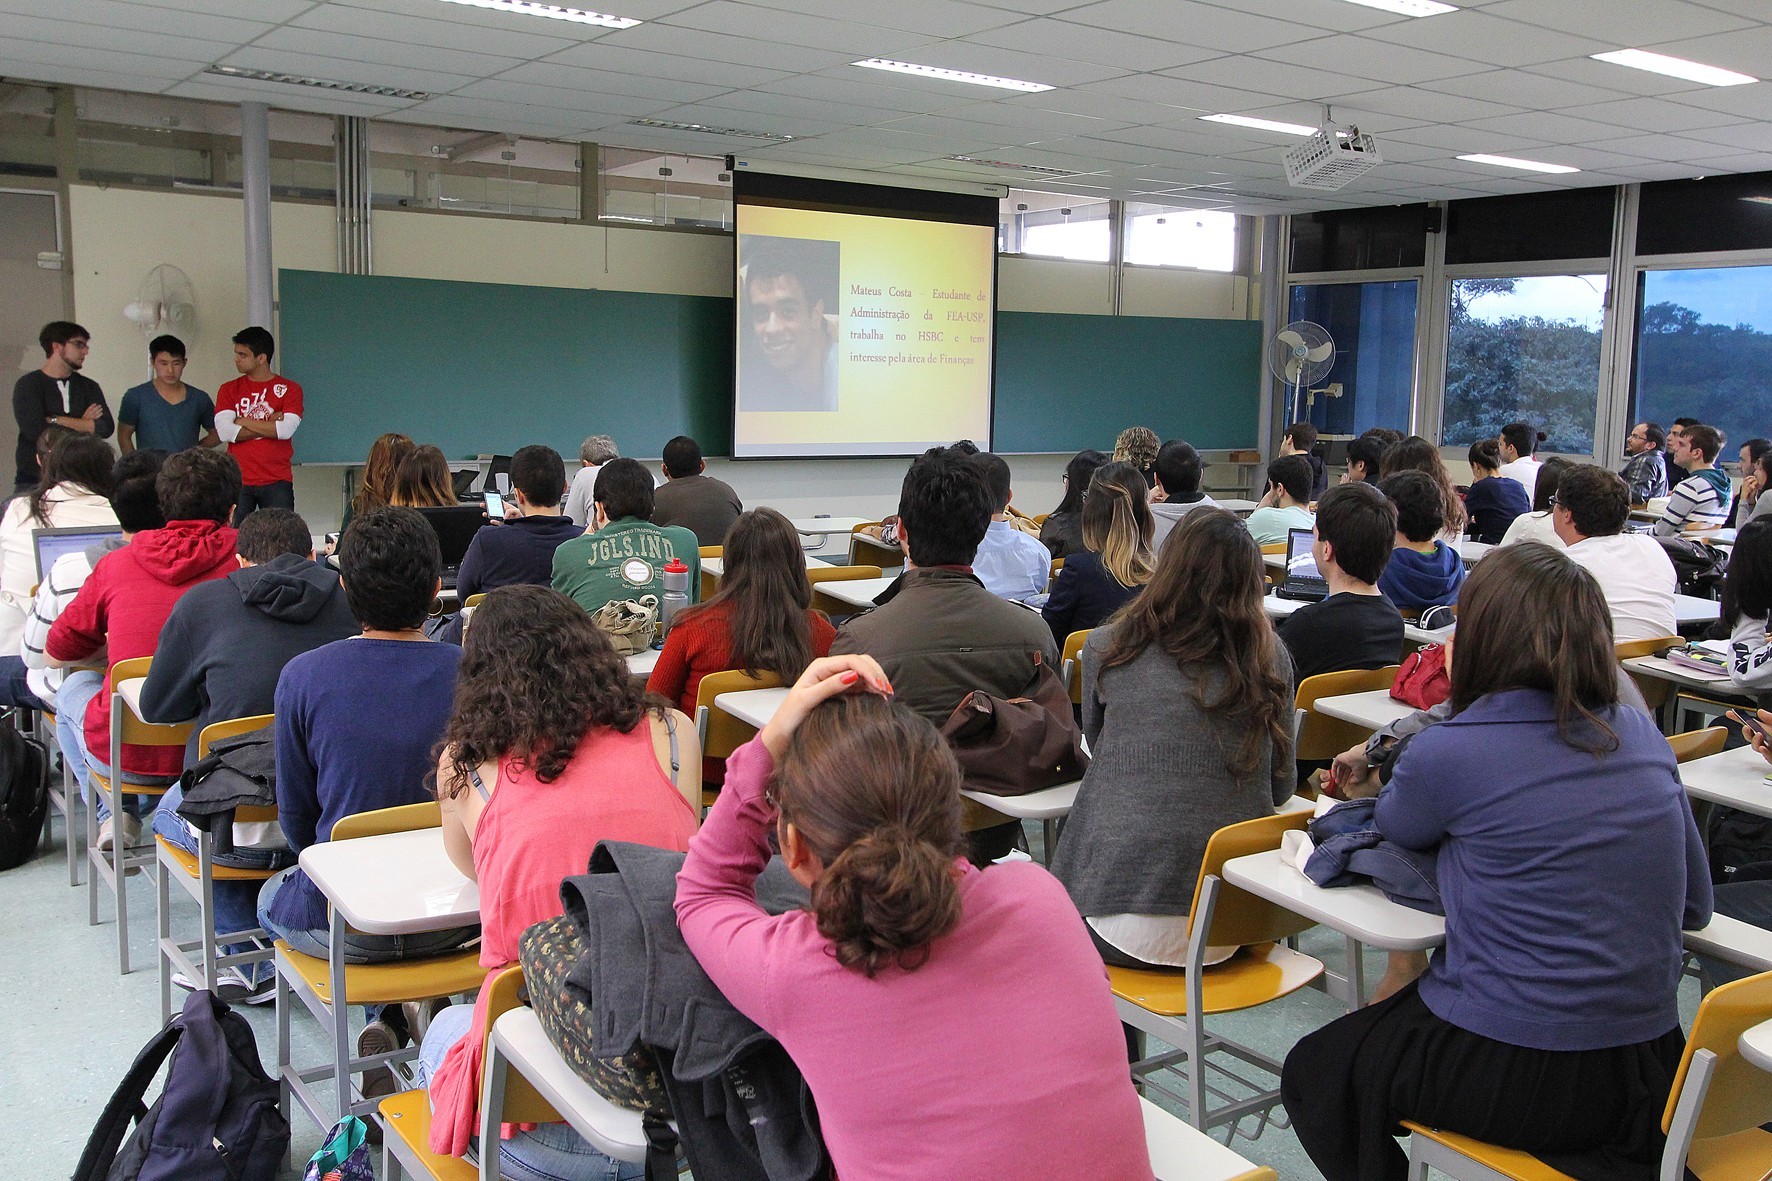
x=1704 y=349
x=1525 y=349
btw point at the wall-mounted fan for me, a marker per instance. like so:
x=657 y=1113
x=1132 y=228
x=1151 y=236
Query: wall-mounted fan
x=165 y=302
x=1302 y=355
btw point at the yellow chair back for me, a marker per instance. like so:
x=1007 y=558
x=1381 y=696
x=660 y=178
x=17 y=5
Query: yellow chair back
x=722 y=733
x=1321 y=736
x=1698 y=744
x=473 y=601
x=1628 y=649
x=1072 y=660
x=1240 y=918
x=1738 y=1098
x=523 y=1104
x=406 y=818
x=131 y=729
x=818 y=574
x=1273 y=547
x=711 y=551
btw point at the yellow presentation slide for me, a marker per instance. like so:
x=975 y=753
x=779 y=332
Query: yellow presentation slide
x=861 y=335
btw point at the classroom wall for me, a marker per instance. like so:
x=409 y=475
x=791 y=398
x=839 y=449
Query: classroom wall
x=120 y=234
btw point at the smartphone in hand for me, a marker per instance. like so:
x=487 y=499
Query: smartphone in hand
x=495 y=506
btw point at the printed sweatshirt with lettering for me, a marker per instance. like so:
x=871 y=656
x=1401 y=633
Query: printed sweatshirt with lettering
x=624 y=560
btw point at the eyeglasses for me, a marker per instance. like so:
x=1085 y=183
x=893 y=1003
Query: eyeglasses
x=1554 y=502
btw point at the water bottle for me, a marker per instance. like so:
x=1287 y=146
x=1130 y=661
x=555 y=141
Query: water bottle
x=676 y=593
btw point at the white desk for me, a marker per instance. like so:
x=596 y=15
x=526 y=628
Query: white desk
x=1663 y=669
x=1241 y=507
x=1360 y=913
x=1471 y=550
x=825 y=526
x=517 y=1040
x=396 y=884
x=717 y=566
x=131 y=692
x=641 y=664
x=1179 y=1150
x=1689 y=610
x=1756 y=1045
x=1735 y=777
x=754 y=707
x=1371 y=709
x=856 y=592
x=1048 y=806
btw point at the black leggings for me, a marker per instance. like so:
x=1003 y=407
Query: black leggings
x=1594 y=1114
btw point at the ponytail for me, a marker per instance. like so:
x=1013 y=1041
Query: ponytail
x=874 y=792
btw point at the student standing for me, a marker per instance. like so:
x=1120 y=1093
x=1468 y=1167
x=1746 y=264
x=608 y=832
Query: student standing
x=918 y=995
x=257 y=414
x=165 y=414
x=1569 y=863
x=58 y=394
x=1356 y=626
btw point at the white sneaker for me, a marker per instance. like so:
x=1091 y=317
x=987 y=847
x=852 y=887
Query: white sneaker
x=104 y=835
x=130 y=829
x=232 y=986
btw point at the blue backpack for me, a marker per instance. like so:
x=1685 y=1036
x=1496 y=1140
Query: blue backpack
x=216 y=1119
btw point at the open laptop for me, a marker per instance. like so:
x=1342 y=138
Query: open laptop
x=53 y=543
x=1303 y=580
x=455 y=528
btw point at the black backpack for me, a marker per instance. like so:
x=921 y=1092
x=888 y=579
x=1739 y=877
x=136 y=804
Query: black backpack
x=216 y=1119
x=24 y=795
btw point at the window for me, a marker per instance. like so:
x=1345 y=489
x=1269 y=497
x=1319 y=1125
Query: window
x=667 y=190
x=1715 y=213
x=1704 y=347
x=1531 y=227
x=1056 y=225
x=1160 y=236
x=1359 y=239
x=1373 y=326
x=1526 y=350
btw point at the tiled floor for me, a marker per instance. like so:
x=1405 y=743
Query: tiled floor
x=74 y=1025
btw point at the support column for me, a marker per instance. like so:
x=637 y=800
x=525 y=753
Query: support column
x=352 y=196
x=255 y=184
x=1116 y=253
x=1275 y=234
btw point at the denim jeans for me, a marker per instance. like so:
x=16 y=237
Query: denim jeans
x=71 y=700
x=552 y=1152
x=13 y=689
x=280 y=494
x=236 y=903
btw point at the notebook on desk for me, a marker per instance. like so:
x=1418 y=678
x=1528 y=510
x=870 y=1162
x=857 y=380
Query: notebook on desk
x=455 y=529
x=1303 y=580
x=53 y=543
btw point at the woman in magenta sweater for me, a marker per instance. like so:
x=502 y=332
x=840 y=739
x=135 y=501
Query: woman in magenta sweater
x=925 y=1001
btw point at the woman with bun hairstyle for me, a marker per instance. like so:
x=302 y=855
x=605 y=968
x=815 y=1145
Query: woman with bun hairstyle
x=1138 y=446
x=926 y=1002
x=422 y=480
x=1115 y=561
x=551 y=748
x=760 y=620
x=1494 y=501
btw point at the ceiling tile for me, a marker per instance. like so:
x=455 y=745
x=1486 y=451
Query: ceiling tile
x=552 y=75
x=1746 y=50
x=1755 y=137
x=1191 y=23
x=869 y=88
x=1652 y=114
x=1520 y=88
x=1626 y=23
x=44 y=31
x=1087 y=43
x=115 y=14
x=718 y=47
x=848 y=38
x=762 y=102
x=555 y=99
x=1280 y=79
x=1013 y=114
x=400 y=20
x=934 y=18
x=712 y=114
x=1378 y=60
x=305 y=100
x=1612 y=79
x=1089 y=103
x=1010 y=63
x=1179 y=92
x=50 y=72
x=1547 y=126
x=95 y=63
x=273 y=12
x=1318 y=17
x=1749 y=102
x=621 y=59
x=1489 y=38
x=1672 y=148
x=1465 y=139
x=1423 y=106
x=1753 y=162
x=394 y=53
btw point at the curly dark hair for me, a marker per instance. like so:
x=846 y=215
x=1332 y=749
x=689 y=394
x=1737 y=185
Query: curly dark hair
x=535 y=676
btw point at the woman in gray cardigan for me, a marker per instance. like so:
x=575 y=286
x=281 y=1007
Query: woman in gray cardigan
x=1187 y=704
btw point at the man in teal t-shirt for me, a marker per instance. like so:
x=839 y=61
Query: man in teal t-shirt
x=624 y=555
x=165 y=414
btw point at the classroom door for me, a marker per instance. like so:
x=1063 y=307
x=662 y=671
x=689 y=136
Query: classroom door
x=30 y=296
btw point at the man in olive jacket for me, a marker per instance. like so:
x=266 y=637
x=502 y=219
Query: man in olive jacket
x=940 y=635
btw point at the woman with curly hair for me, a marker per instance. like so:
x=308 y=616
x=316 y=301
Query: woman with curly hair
x=916 y=994
x=551 y=748
x=1138 y=446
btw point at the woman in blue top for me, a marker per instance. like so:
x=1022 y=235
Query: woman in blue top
x=1494 y=500
x=1116 y=562
x=1569 y=866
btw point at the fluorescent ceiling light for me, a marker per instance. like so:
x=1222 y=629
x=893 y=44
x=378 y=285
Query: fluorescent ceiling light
x=1674 y=67
x=1408 y=7
x=706 y=129
x=553 y=12
x=1759 y=200
x=321 y=83
x=1515 y=162
x=1040 y=168
x=1260 y=124
x=880 y=63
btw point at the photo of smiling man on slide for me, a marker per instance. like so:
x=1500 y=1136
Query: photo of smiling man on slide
x=788 y=304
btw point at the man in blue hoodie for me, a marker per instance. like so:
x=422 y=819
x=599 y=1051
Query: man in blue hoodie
x=1423 y=571
x=219 y=657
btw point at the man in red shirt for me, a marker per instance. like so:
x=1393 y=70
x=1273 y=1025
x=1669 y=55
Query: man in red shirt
x=256 y=415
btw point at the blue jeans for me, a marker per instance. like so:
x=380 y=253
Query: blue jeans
x=236 y=903
x=71 y=700
x=552 y=1152
x=13 y=688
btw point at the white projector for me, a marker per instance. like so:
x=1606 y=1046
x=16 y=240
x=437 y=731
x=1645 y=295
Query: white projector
x=1330 y=158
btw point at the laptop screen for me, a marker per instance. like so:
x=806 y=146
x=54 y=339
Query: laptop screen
x=455 y=529
x=53 y=543
x=1300 y=563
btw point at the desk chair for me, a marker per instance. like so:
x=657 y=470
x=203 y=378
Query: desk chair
x=719 y=731
x=1052 y=571
x=709 y=583
x=864 y=547
x=1318 y=737
x=64 y=791
x=197 y=875
x=406 y=1115
x=1173 y=1004
x=1712 y=1118
x=1698 y=744
x=820 y=574
x=116 y=863
x=1070 y=664
x=1655 y=691
x=318 y=982
x=1275 y=574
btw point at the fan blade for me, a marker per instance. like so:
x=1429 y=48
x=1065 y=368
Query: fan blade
x=1290 y=339
x=1322 y=352
x=1290 y=373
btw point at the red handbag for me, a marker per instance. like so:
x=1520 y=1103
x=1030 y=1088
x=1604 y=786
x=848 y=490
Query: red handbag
x=1422 y=680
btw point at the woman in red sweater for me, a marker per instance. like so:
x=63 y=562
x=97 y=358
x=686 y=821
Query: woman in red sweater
x=761 y=620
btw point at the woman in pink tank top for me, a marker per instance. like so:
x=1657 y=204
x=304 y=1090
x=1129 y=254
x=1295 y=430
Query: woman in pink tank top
x=551 y=749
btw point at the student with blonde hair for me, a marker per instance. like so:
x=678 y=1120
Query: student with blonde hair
x=423 y=481
x=1137 y=445
x=377 y=488
x=1116 y=560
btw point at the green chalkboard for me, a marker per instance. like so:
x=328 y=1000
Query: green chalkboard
x=488 y=367
x=1067 y=382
